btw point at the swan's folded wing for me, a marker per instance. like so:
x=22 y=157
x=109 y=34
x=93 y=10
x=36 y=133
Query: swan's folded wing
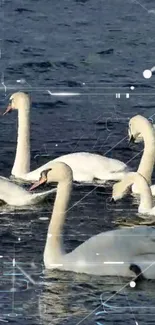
x=93 y=165
x=112 y=252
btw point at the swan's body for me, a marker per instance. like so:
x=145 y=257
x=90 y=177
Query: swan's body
x=86 y=167
x=13 y=194
x=124 y=247
x=139 y=126
x=146 y=199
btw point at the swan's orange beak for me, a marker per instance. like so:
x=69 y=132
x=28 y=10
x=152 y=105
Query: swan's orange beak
x=8 y=110
x=42 y=180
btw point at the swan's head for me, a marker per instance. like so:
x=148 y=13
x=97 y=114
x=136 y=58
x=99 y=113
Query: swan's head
x=18 y=101
x=58 y=172
x=119 y=190
x=137 y=125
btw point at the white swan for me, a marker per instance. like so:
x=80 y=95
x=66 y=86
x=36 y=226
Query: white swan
x=140 y=126
x=140 y=138
x=129 y=249
x=146 y=199
x=86 y=166
x=15 y=195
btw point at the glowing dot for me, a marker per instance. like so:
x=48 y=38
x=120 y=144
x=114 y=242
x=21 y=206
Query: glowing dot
x=43 y=218
x=22 y=81
x=56 y=145
x=147 y=74
x=97 y=253
x=83 y=83
x=19 y=239
x=1 y=256
x=132 y=87
x=132 y=284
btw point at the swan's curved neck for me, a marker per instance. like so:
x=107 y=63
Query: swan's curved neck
x=146 y=201
x=22 y=159
x=53 y=251
x=148 y=158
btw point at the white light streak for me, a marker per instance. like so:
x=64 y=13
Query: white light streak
x=63 y=94
x=113 y=262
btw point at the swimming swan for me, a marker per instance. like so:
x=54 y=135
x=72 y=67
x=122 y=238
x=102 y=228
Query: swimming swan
x=129 y=249
x=146 y=199
x=86 y=166
x=139 y=125
x=15 y=195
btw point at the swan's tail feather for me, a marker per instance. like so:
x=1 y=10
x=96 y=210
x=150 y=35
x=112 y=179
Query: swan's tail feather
x=138 y=272
x=146 y=264
x=41 y=196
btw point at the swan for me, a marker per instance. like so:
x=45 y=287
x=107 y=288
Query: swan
x=117 y=252
x=15 y=195
x=87 y=167
x=146 y=199
x=140 y=138
x=139 y=126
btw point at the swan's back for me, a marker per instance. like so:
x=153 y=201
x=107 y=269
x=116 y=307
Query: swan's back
x=94 y=161
x=85 y=166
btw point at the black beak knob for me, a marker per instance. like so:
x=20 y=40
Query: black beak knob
x=132 y=139
x=112 y=200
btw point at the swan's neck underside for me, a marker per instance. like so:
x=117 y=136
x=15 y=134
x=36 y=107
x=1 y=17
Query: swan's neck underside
x=53 y=252
x=147 y=162
x=146 y=201
x=22 y=159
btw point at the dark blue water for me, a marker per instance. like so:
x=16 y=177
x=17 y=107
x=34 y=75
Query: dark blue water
x=97 y=49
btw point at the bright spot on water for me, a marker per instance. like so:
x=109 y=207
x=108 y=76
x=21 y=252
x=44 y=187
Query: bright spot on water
x=132 y=284
x=147 y=74
x=132 y=87
x=21 y=81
